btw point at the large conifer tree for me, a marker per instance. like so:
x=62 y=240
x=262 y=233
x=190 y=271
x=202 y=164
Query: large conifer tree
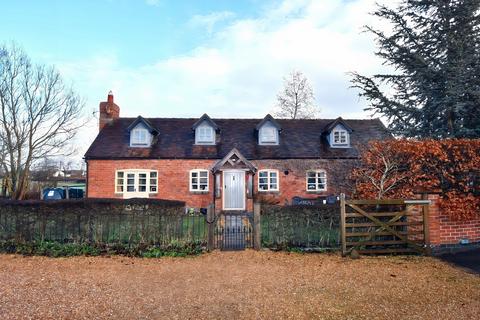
x=434 y=49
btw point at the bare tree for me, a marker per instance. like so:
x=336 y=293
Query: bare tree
x=39 y=116
x=296 y=100
x=381 y=171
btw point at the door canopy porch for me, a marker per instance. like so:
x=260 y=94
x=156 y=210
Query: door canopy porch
x=234 y=160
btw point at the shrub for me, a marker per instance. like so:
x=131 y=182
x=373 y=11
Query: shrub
x=401 y=168
x=57 y=249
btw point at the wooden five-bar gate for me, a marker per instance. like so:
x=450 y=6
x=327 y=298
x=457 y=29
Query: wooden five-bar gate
x=384 y=226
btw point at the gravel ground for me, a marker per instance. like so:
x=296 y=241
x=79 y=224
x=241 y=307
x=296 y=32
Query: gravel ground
x=236 y=285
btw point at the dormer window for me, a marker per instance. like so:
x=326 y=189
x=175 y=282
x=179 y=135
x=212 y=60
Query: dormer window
x=268 y=130
x=141 y=133
x=268 y=134
x=338 y=134
x=139 y=137
x=204 y=134
x=205 y=130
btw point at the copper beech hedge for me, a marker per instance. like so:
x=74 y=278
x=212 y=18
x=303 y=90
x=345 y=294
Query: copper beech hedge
x=402 y=168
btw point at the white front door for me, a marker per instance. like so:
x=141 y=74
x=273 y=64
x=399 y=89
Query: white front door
x=136 y=185
x=233 y=190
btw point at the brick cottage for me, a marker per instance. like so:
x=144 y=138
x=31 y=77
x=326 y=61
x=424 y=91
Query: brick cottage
x=228 y=162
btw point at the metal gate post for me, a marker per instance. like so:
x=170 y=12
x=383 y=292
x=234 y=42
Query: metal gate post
x=342 y=224
x=211 y=227
x=257 y=232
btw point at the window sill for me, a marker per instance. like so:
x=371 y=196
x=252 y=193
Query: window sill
x=316 y=191
x=199 y=192
x=269 y=191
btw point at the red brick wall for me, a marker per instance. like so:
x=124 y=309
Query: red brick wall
x=173 y=179
x=292 y=178
x=445 y=231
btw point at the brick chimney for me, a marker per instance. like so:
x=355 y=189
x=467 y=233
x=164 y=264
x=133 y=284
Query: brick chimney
x=109 y=111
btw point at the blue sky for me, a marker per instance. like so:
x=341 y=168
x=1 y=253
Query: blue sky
x=139 y=32
x=185 y=57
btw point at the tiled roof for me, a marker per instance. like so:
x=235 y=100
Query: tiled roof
x=298 y=139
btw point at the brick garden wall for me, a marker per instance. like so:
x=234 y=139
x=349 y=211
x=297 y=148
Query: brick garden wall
x=446 y=233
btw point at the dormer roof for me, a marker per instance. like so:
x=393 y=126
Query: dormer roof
x=145 y=122
x=269 y=118
x=336 y=122
x=207 y=119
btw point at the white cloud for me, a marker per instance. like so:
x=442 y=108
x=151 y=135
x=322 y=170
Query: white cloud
x=238 y=70
x=210 y=20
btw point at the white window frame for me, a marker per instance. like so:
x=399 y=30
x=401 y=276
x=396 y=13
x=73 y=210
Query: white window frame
x=346 y=144
x=317 y=178
x=198 y=136
x=134 y=142
x=269 y=172
x=267 y=140
x=136 y=172
x=198 y=183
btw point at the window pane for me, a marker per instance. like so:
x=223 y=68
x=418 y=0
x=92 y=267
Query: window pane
x=203 y=173
x=194 y=186
x=203 y=180
x=194 y=174
x=273 y=186
x=311 y=186
x=120 y=174
x=205 y=134
x=263 y=187
x=311 y=180
x=311 y=174
x=268 y=135
x=153 y=174
x=263 y=174
x=153 y=189
x=273 y=174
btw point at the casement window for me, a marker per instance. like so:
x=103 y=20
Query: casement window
x=136 y=181
x=268 y=180
x=316 y=180
x=199 y=180
x=340 y=137
x=139 y=137
x=204 y=134
x=268 y=134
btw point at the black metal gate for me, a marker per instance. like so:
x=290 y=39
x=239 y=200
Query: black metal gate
x=234 y=231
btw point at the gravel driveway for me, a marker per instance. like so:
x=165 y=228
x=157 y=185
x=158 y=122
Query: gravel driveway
x=236 y=285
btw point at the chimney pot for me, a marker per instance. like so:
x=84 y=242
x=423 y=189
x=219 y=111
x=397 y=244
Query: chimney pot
x=110 y=97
